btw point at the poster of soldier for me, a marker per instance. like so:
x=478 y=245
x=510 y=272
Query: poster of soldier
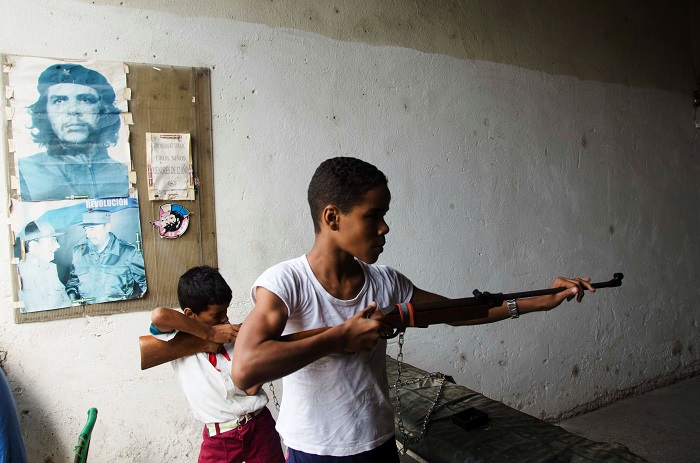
x=69 y=135
x=76 y=252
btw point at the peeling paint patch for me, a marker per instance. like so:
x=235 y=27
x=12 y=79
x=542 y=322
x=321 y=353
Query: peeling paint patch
x=575 y=371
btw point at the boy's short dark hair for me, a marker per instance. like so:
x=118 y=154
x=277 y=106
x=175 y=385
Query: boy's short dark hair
x=200 y=287
x=343 y=182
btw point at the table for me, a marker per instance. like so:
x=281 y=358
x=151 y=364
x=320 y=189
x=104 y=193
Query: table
x=509 y=435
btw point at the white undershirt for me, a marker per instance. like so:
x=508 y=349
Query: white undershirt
x=338 y=405
x=212 y=396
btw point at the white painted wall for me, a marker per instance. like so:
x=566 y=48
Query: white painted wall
x=502 y=178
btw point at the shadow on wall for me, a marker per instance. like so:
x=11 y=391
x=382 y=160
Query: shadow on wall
x=626 y=42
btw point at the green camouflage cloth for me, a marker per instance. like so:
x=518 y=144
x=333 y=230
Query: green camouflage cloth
x=509 y=435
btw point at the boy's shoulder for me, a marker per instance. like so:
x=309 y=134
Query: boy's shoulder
x=287 y=276
x=294 y=266
x=299 y=268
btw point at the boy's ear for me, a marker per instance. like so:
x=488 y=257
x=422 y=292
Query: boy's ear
x=187 y=311
x=330 y=217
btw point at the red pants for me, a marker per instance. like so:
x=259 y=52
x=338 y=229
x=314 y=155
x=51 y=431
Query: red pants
x=256 y=441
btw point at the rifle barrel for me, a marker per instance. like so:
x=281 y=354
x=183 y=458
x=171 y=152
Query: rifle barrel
x=496 y=299
x=438 y=311
x=616 y=281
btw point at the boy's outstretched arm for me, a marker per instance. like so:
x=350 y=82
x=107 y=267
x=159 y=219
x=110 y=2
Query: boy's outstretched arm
x=575 y=289
x=167 y=320
x=260 y=356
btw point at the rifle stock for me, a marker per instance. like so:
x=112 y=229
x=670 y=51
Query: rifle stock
x=423 y=314
x=155 y=352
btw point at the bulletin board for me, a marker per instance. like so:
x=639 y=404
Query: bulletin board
x=163 y=99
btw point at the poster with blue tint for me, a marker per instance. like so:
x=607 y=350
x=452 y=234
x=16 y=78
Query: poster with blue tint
x=77 y=252
x=69 y=137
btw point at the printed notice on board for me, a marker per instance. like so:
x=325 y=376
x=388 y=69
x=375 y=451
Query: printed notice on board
x=169 y=159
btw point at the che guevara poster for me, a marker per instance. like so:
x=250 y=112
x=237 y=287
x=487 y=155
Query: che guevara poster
x=69 y=135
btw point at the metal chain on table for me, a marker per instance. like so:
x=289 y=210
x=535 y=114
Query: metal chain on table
x=413 y=440
x=274 y=396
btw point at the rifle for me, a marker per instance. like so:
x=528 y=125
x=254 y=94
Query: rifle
x=155 y=352
x=423 y=314
x=401 y=316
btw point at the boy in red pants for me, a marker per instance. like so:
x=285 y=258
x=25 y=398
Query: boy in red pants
x=237 y=424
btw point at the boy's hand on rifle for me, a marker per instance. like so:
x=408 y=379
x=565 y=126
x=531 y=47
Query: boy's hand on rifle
x=224 y=333
x=361 y=332
x=576 y=287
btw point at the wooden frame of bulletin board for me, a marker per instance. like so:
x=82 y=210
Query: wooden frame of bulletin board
x=163 y=99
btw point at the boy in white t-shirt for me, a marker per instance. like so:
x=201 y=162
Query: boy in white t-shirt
x=336 y=406
x=238 y=425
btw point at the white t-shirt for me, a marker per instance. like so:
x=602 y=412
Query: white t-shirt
x=211 y=394
x=338 y=405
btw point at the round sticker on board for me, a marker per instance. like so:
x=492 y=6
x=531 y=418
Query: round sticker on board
x=173 y=221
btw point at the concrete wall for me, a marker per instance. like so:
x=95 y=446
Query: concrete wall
x=521 y=143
